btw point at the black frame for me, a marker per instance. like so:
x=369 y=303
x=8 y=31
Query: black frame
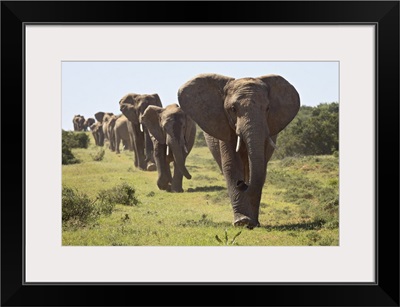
x=383 y=14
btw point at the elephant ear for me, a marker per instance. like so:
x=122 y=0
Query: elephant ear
x=156 y=100
x=99 y=116
x=202 y=98
x=151 y=119
x=129 y=98
x=284 y=102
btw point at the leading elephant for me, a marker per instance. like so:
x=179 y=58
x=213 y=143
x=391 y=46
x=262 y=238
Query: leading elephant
x=133 y=105
x=245 y=116
x=173 y=133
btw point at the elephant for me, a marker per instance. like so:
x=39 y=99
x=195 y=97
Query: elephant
x=173 y=133
x=88 y=122
x=122 y=133
x=133 y=105
x=104 y=119
x=244 y=116
x=98 y=134
x=78 y=122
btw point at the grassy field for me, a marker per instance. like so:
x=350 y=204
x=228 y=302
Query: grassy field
x=299 y=206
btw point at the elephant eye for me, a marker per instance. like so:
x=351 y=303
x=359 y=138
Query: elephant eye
x=233 y=109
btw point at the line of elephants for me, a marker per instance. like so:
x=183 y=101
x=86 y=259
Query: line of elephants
x=240 y=119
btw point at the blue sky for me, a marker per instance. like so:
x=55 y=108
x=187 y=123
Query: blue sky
x=90 y=87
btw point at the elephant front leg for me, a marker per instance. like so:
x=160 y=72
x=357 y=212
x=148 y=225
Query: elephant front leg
x=177 y=179
x=244 y=204
x=164 y=173
x=117 y=143
x=138 y=140
x=149 y=152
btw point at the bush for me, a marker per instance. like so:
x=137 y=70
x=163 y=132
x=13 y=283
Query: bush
x=122 y=194
x=73 y=139
x=99 y=155
x=77 y=207
x=314 y=131
x=67 y=155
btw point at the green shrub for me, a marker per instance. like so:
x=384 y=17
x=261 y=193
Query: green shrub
x=105 y=202
x=314 y=131
x=124 y=194
x=71 y=139
x=77 y=208
x=75 y=139
x=67 y=155
x=99 y=156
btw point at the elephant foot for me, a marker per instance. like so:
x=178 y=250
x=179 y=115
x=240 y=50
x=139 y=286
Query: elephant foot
x=177 y=190
x=151 y=167
x=242 y=220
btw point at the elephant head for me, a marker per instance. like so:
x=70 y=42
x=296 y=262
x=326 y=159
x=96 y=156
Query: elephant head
x=245 y=115
x=79 y=122
x=88 y=122
x=133 y=105
x=173 y=133
x=103 y=116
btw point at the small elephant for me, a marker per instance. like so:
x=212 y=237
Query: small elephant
x=121 y=133
x=244 y=116
x=173 y=133
x=78 y=122
x=98 y=134
x=133 y=105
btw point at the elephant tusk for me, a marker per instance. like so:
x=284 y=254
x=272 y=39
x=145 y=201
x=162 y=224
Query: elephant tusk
x=167 y=150
x=238 y=144
x=272 y=143
x=185 y=149
x=141 y=127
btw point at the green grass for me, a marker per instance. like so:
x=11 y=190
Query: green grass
x=299 y=205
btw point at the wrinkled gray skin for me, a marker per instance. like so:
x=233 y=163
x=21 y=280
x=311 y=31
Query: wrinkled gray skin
x=88 y=122
x=104 y=119
x=121 y=133
x=98 y=134
x=133 y=106
x=170 y=127
x=79 y=123
x=256 y=110
x=110 y=131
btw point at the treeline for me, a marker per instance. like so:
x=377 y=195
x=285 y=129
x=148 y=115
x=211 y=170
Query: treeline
x=314 y=131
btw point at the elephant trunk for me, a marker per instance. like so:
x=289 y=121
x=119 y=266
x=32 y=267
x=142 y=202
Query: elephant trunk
x=254 y=140
x=179 y=156
x=254 y=137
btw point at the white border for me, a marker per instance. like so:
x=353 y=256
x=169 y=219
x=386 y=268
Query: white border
x=48 y=261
